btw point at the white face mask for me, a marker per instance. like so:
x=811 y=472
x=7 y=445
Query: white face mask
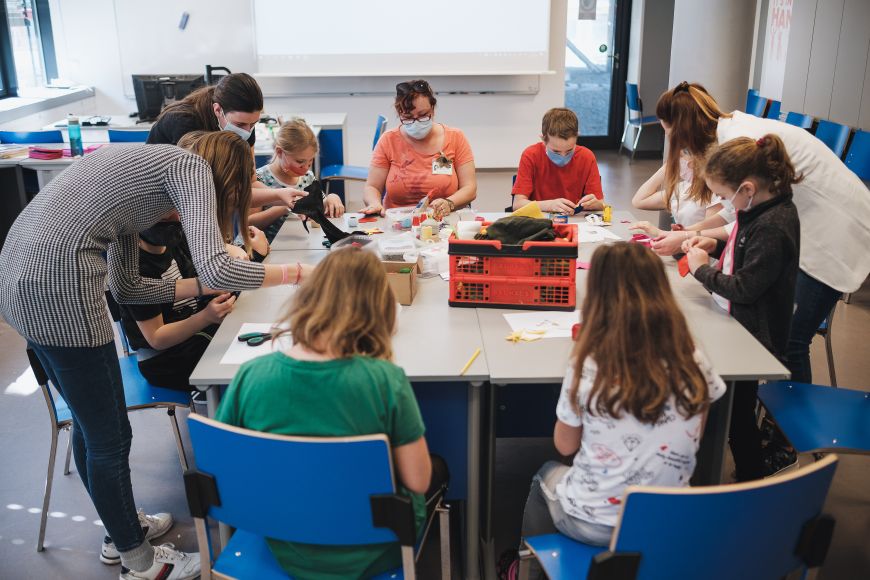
x=418 y=129
x=245 y=135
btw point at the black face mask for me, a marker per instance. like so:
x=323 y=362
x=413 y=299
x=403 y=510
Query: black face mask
x=167 y=234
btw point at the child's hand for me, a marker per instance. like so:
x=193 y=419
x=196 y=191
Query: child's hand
x=646 y=228
x=668 y=243
x=236 y=252
x=219 y=307
x=590 y=202
x=700 y=242
x=560 y=205
x=332 y=206
x=697 y=258
x=258 y=241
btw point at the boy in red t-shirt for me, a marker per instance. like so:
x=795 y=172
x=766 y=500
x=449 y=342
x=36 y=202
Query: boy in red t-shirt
x=557 y=173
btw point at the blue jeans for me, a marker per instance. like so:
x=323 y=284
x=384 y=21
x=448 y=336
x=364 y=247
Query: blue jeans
x=89 y=379
x=813 y=302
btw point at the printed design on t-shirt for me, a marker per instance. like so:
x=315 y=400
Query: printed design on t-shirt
x=637 y=476
x=589 y=482
x=589 y=511
x=695 y=433
x=605 y=455
x=631 y=441
x=673 y=459
x=614 y=501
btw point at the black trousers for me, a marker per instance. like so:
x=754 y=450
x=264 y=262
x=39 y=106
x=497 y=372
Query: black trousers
x=745 y=437
x=172 y=368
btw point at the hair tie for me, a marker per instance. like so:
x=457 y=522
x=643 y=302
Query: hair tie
x=682 y=87
x=761 y=142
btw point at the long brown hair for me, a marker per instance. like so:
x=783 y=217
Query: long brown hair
x=232 y=167
x=638 y=338
x=346 y=307
x=693 y=116
x=234 y=92
x=765 y=160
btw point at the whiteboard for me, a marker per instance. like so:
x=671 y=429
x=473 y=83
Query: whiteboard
x=150 y=41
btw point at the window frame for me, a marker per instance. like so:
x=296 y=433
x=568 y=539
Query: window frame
x=8 y=77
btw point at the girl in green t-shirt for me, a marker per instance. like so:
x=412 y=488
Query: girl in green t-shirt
x=337 y=381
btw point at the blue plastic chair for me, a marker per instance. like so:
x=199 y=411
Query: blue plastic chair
x=799 y=120
x=834 y=135
x=323 y=491
x=139 y=394
x=352 y=172
x=755 y=105
x=121 y=136
x=817 y=418
x=761 y=529
x=635 y=117
x=858 y=156
x=31 y=137
x=774 y=110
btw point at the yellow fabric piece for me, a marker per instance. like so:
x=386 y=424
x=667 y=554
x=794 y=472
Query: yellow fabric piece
x=525 y=335
x=532 y=210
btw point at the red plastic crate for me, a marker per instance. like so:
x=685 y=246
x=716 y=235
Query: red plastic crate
x=536 y=275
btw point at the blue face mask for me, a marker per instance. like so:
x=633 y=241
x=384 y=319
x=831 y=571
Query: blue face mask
x=418 y=129
x=559 y=160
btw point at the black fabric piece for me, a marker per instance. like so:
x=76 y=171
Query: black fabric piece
x=311 y=206
x=766 y=254
x=167 y=234
x=516 y=230
x=614 y=566
x=172 y=368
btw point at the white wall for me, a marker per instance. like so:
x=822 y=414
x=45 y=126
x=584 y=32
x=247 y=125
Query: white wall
x=712 y=45
x=498 y=126
x=828 y=65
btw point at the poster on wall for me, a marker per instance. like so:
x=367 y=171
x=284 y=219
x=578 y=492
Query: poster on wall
x=775 y=48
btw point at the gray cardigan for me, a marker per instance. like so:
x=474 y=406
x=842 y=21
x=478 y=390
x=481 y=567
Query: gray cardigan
x=82 y=229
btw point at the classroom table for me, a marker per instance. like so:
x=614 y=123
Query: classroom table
x=733 y=352
x=432 y=344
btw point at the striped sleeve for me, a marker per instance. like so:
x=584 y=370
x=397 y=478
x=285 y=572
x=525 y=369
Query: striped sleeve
x=188 y=182
x=127 y=286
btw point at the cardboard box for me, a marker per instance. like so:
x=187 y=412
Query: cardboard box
x=404 y=285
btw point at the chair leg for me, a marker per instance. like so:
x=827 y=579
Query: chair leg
x=829 y=348
x=47 y=496
x=444 y=535
x=68 y=452
x=202 y=539
x=847 y=298
x=636 y=139
x=408 y=566
x=174 y=420
x=525 y=562
x=622 y=141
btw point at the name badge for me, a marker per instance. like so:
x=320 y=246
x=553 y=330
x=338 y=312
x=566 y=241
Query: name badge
x=441 y=165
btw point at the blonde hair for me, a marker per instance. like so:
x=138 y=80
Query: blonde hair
x=345 y=308
x=693 y=116
x=766 y=160
x=294 y=135
x=232 y=169
x=638 y=338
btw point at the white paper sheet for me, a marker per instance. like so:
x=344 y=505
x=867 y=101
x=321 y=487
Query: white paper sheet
x=554 y=324
x=589 y=233
x=239 y=352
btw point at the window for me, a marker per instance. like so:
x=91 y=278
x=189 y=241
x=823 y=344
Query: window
x=27 y=45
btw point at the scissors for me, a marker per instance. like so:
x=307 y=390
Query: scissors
x=255 y=338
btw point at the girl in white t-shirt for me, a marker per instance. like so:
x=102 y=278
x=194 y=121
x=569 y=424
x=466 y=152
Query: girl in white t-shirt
x=633 y=404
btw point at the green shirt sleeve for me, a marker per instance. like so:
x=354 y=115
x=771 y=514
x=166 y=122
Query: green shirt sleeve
x=228 y=410
x=407 y=420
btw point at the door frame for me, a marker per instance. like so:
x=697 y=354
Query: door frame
x=616 y=117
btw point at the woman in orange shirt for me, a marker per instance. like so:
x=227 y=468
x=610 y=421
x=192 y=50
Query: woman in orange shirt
x=420 y=158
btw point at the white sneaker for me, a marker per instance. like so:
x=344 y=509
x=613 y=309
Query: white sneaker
x=152 y=526
x=169 y=564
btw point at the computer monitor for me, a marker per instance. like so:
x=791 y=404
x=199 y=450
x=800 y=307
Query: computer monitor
x=153 y=92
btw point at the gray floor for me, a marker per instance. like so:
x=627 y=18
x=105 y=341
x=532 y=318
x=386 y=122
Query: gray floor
x=74 y=534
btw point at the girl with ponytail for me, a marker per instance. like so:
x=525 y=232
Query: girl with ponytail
x=754 y=278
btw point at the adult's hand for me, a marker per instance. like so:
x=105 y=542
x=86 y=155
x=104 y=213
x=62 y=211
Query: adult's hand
x=289 y=196
x=373 y=209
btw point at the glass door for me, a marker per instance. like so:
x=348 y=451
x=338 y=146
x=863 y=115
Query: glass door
x=595 y=70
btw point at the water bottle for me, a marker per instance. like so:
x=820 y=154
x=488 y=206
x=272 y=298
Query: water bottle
x=75 y=135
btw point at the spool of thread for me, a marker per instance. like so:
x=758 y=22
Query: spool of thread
x=352 y=221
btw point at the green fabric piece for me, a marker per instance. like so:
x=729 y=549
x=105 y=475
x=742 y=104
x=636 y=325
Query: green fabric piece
x=516 y=230
x=338 y=398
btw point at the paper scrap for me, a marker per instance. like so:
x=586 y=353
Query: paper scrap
x=547 y=324
x=588 y=233
x=582 y=265
x=239 y=352
x=445 y=276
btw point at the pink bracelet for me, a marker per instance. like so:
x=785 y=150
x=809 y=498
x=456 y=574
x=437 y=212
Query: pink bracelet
x=298 y=273
x=285 y=274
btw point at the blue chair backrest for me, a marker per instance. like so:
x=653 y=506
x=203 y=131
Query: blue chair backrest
x=799 y=120
x=858 y=157
x=118 y=136
x=379 y=130
x=834 y=135
x=632 y=97
x=755 y=105
x=299 y=489
x=725 y=531
x=31 y=137
x=774 y=110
